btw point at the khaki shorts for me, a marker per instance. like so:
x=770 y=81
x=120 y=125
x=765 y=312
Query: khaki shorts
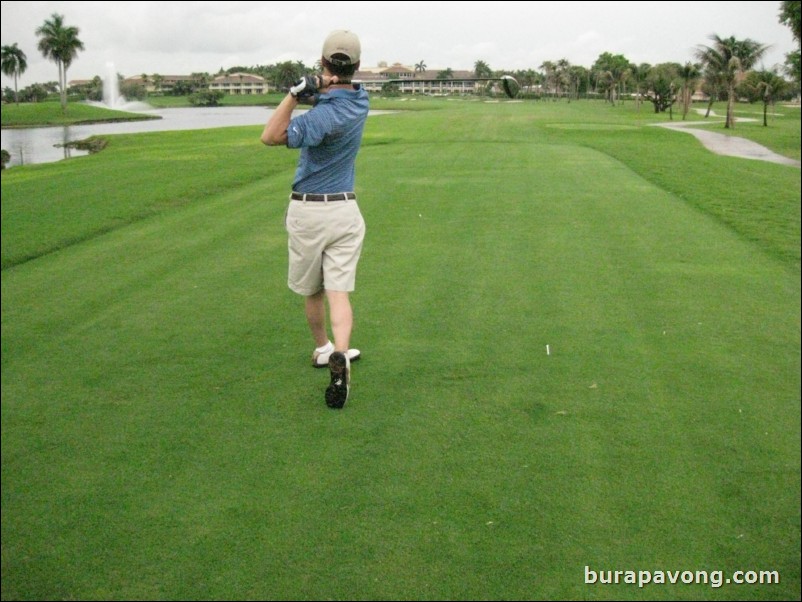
x=325 y=241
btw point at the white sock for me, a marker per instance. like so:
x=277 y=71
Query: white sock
x=329 y=346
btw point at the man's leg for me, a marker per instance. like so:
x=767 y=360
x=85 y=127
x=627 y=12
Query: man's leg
x=342 y=319
x=316 y=317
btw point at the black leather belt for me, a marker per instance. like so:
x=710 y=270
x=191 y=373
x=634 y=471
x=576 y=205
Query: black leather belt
x=323 y=198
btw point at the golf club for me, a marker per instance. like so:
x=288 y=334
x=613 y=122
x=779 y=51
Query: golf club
x=509 y=84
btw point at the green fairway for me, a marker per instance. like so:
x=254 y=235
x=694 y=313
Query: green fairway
x=50 y=114
x=164 y=436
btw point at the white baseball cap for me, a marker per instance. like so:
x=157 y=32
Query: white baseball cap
x=345 y=43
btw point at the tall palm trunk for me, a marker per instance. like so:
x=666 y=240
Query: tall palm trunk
x=62 y=73
x=710 y=104
x=684 y=103
x=729 y=122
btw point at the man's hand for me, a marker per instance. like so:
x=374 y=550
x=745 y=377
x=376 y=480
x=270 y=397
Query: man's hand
x=305 y=87
x=309 y=85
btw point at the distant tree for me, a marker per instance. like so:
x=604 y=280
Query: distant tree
x=790 y=15
x=91 y=90
x=560 y=76
x=605 y=82
x=206 y=98
x=793 y=66
x=60 y=44
x=661 y=83
x=390 y=89
x=577 y=79
x=550 y=76
x=34 y=93
x=132 y=90
x=286 y=73
x=445 y=74
x=420 y=67
x=481 y=69
x=158 y=82
x=689 y=73
x=14 y=63
x=765 y=86
x=96 y=89
x=612 y=70
x=639 y=75
x=713 y=85
x=199 y=81
x=563 y=78
x=729 y=58
x=528 y=79
x=181 y=87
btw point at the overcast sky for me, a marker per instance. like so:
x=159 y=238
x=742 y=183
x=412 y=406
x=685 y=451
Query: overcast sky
x=173 y=38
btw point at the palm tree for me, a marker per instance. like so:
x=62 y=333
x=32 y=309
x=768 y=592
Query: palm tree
x=764 y=85
x=562 y=75
x=730 y=58
x=549 y=73
x=639 y=74
x=527 y=78
x=791 y=15
x=712 y=84
x=576 y=75
x=611 y=73
x=481 y=69
x=14 y=63
x=690 y=74
x=606 y=80
x=284 y=74
x=60 y=44
x=158 y=80
x=420 y=67
x=199 y=81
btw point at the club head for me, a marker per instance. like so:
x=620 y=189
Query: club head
x=510 y=85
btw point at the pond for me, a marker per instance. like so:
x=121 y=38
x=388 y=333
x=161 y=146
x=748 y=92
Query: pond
x=45 y=145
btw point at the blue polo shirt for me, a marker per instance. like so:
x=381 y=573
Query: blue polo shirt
x=329 y=136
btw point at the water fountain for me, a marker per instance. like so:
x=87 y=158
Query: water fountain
x=111 y=94
x=111 y=88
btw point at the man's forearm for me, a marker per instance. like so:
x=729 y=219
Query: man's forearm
x=275 y=132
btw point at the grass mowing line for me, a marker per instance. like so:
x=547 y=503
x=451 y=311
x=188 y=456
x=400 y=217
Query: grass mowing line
x=182 y=452
x=759 y=202
x=484 y=353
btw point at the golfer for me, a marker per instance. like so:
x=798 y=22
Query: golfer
x=323 y=220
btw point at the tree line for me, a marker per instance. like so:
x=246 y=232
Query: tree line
x=725 y=70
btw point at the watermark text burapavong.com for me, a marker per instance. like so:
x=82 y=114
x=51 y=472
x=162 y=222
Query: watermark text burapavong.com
x=714 y=579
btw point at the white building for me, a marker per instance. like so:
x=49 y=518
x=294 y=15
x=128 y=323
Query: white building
x=239 y=83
